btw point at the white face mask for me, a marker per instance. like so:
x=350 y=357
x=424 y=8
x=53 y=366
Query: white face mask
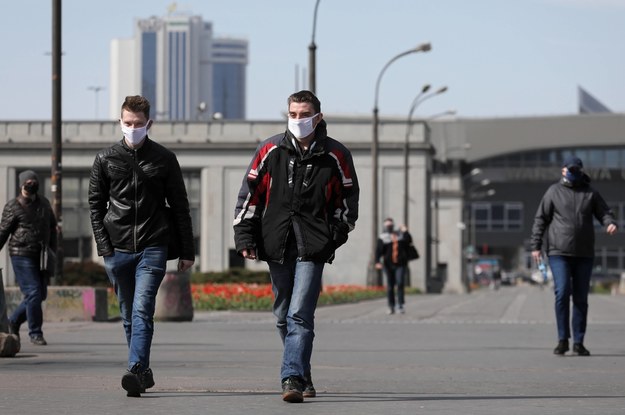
x=302 y=127
x=135 y=135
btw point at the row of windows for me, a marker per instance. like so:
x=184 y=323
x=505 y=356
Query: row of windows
x=497 y=216
x=603 y=157
x=508 y=216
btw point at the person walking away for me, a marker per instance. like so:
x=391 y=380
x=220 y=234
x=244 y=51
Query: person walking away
x=132 y=231
x=392 y=255
x=566 y=214
x=30 y=222
x=296 y=205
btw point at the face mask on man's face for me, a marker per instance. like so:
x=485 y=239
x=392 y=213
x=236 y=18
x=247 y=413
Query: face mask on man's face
x=31 y=188
x=573 y=175
x=389 y=228
x=135 y=135
x=302 y=127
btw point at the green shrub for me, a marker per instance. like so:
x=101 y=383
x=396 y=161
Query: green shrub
x=84 y=273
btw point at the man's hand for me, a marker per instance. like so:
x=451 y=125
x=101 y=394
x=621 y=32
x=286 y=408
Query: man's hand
x=537 y=256
x=378 y=265
x=611 y=229
x=185 y=264
x=248 y=253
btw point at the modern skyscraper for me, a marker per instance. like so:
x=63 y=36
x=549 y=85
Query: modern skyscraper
x=176 y=63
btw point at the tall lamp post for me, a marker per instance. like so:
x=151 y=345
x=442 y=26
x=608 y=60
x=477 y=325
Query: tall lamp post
x=312 y=61
x=415 y=103
x=373 y=277
x=57 y=146
x=96 y=90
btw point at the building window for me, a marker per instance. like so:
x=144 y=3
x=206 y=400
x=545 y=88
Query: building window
x=497 y=216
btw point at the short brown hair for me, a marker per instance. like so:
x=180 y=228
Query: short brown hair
x=137 y=103
x=305 y=96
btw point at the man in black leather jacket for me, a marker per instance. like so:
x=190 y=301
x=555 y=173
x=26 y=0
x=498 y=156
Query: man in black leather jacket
x=567 y=210
x=30 y=221
x=131 y=229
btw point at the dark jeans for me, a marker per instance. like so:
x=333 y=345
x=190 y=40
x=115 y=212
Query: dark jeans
x=136 y=278
x=34 y=288
x=296 y=286
x=395 y=277
x=571 y=277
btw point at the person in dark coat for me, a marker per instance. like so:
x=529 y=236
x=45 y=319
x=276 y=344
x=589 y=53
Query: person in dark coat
x=30 y=222
x=131 y=229
x=392 y=256
x=297 y=204
x=566 y=214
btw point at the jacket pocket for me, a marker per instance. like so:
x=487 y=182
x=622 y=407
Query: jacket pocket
x=117 y=171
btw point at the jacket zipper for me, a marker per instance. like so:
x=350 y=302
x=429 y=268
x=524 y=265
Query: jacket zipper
x=134 y=174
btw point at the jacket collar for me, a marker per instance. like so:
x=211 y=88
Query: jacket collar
x=317 y=146
x=146 y=144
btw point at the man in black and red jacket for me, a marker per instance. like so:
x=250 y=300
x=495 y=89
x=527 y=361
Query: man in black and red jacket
x=297 y=203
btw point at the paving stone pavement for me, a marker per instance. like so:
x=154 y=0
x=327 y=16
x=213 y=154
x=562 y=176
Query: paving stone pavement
x=487 y=352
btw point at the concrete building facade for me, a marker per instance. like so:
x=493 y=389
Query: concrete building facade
x=450 y=207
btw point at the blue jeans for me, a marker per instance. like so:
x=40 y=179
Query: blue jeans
x=395 y=277
x=571 y=277
x=296 y=286
x=136 y=278
x=34 y=288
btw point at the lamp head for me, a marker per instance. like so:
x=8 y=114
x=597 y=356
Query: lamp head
x=424 y=47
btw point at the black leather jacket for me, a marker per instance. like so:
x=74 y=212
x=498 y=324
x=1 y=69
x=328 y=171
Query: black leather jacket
x=128 y=214
x=30 y=225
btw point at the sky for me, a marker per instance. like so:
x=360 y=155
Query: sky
x=498 y=58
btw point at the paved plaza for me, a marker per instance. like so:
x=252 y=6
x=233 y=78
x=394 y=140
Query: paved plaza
x=488 y=352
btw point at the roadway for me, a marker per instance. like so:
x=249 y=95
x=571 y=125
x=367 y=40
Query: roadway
x=482 y=353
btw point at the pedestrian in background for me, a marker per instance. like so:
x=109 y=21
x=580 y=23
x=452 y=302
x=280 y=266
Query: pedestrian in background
x=31 y=223
x=129 y=185
x=392 y=255
x=297 y=203
x=566 y=214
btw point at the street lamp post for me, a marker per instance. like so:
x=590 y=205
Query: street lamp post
x=415 y=103
x=56 y=179
x=96 y=90
x=373 y=277
x=312 y=61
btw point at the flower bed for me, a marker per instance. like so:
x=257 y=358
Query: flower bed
x=259 y=296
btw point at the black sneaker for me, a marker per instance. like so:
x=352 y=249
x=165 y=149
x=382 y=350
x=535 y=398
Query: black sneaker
x=562 y=347
x=309 y=388
x=9 y=345
x=580 y=350
x=38 y=340
x=131 y=381
x=147 y=380
x=292 y=390
x=14 y=328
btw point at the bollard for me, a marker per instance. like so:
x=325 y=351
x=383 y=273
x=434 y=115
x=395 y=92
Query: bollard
x=4 y=321
x=621 y=286
x=173 y=300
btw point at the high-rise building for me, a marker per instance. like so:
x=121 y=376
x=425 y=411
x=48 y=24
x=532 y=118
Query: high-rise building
x=184 y=71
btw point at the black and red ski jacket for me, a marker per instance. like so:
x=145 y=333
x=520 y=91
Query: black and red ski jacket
x=314 y=195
